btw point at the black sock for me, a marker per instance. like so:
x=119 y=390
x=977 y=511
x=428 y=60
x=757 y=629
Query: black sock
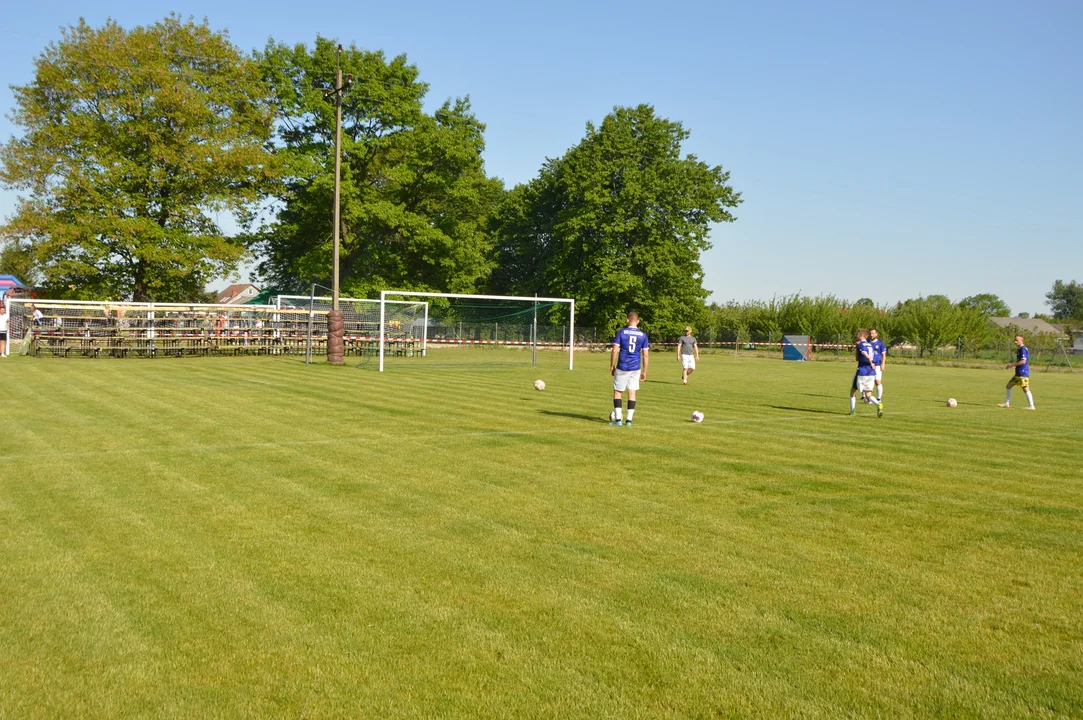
x=616 y=404
x=631 y=404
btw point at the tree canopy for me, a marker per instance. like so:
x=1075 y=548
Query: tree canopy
x=133 y=140
x=1066 y=300
x=17 y=258
x=619 y=223
x=986 y=304
x=928 y=322
x=415 y=196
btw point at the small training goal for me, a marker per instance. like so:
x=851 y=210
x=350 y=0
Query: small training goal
x=796 y=347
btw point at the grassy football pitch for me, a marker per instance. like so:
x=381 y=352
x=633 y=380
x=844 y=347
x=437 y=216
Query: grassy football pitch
x=251 y=537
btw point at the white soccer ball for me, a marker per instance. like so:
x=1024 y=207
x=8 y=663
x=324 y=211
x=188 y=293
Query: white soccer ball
x=539 y=384
x=697 y=416
x=612 y=416
x=952 y=402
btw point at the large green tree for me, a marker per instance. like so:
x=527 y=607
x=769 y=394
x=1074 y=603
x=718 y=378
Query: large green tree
x=986 y=304
x=1066 y=300
x=618 y=223
x=928 y=322
x=17 y=258
x=415 y=196
x=133 y=141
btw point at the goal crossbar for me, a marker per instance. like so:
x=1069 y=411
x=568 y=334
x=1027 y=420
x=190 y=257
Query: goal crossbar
x=459 y=296
x=327 y=298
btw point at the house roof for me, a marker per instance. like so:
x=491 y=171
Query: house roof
x=236 y=293
x=1035 y=326
x=265 y=296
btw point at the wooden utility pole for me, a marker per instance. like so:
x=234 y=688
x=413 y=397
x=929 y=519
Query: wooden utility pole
x=335 y=342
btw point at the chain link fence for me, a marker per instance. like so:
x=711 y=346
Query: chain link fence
x=1045 y=349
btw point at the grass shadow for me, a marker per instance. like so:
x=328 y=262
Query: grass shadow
x=807 y=410
x=575 y=416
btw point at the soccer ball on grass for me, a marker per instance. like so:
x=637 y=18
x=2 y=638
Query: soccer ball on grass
x=539 y=384
x=952 y=402
x=697 y=416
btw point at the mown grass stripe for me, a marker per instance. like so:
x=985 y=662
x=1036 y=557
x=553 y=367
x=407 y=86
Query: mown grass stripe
x=251 y=536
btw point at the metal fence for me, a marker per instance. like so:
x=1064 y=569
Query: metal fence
x=1045 y=349
x=74 y=328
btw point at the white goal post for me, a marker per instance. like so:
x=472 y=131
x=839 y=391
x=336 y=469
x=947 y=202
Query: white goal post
x=455 y=296
x=363 y=323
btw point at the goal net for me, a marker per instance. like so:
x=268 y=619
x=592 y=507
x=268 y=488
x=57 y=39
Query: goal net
x=488 y=329
x=404 y=322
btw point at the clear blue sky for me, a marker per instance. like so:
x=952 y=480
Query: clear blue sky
x=884 y=150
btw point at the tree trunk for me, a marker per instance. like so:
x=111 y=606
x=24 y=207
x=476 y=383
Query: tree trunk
x=140 y=291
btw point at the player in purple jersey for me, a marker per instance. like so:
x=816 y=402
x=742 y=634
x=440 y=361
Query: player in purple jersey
x=878 y=357
x=865 y=377
x=628 y=365
x=1022 y=374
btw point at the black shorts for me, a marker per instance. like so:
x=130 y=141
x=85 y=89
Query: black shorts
x=3 y=334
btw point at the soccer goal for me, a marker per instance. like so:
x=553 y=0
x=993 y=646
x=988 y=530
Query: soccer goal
x=405 y=321
x=508 y=329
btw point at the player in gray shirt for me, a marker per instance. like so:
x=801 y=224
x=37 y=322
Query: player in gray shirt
x=687 y=354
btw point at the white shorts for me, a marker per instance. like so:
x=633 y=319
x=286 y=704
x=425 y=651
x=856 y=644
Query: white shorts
x=688 y=362
x=626 y=380
x=865 y=383
x=879 y=375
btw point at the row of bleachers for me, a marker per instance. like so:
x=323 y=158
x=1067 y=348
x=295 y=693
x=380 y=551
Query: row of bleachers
x=100 y=343
x=74 y=329
x=283 y=322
